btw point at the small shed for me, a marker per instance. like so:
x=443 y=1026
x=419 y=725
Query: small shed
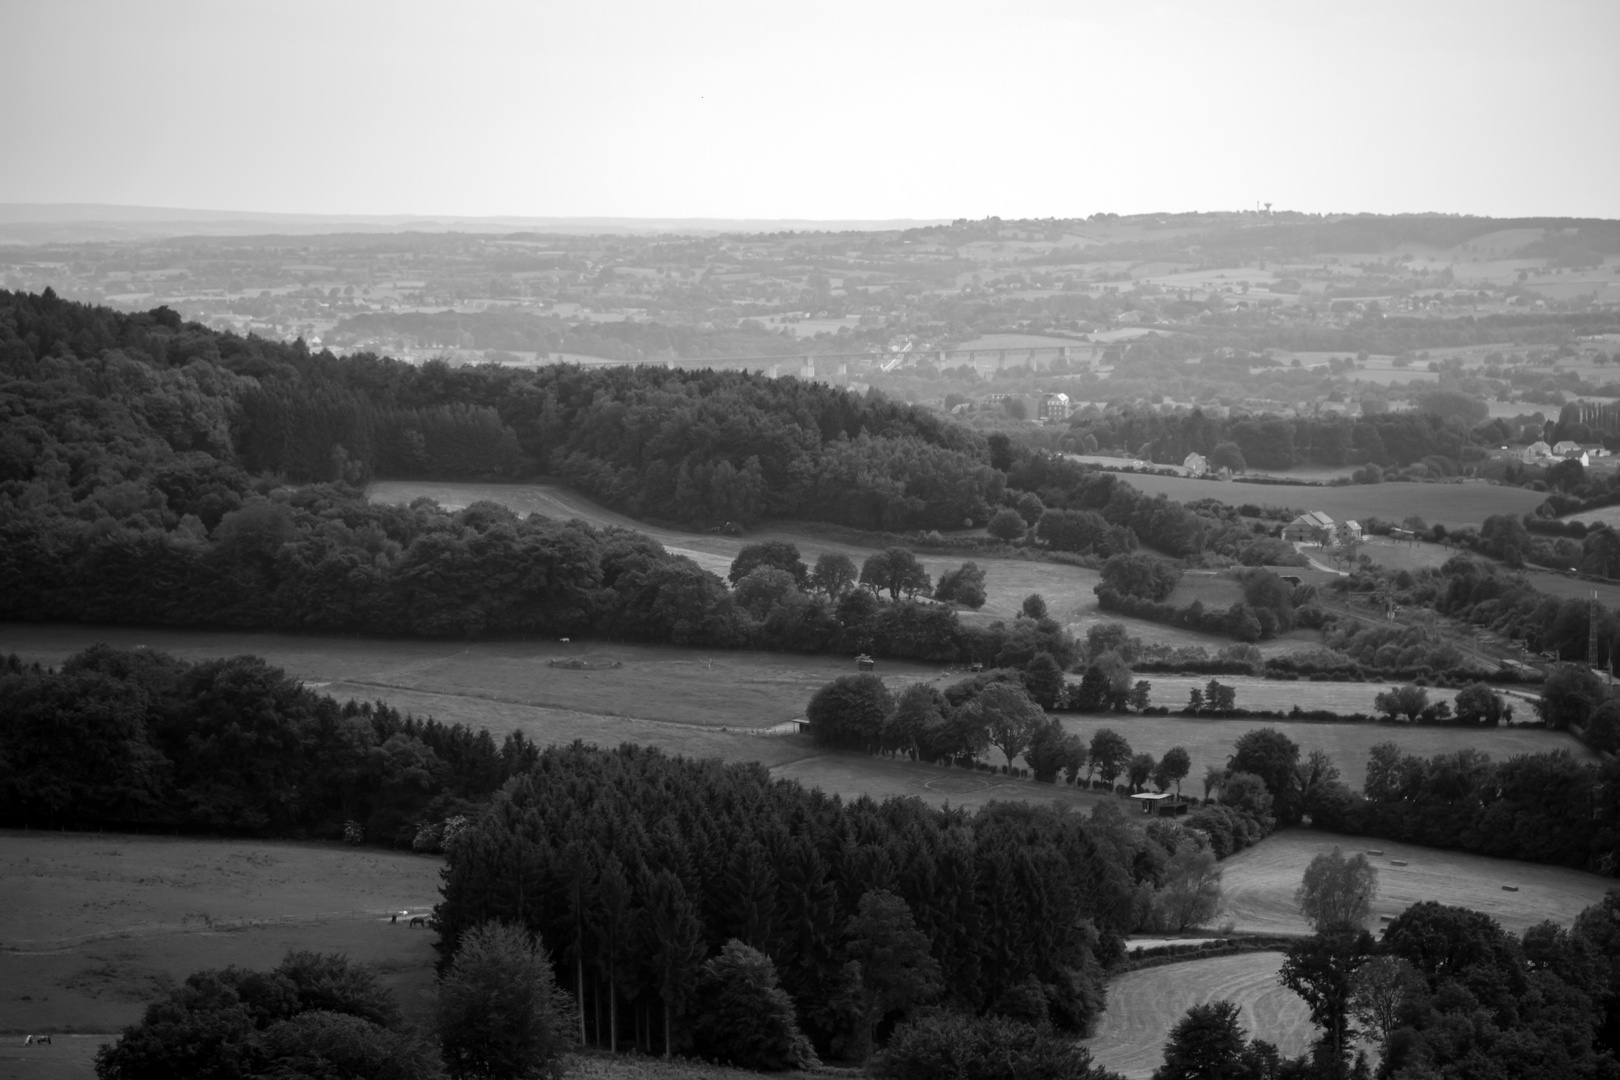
x=1151 y=800
x=864 y=663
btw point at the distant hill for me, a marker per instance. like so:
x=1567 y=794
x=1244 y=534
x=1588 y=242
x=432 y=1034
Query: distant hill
x=38 y=223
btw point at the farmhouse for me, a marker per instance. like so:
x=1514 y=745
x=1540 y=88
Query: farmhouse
x=1566 y=448
x=1196 y=464
x=1315 y=526
x=1536 y=451
x=1348 y=530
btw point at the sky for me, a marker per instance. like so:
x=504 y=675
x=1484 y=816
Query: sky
x=814 y=110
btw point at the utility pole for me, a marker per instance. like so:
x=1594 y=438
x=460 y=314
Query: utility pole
x=1591 y=631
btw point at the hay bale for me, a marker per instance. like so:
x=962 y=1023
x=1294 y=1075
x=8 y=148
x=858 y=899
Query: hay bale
x=1397 y=862
x=1375 y=851
x=1510 y=888
x=1386 y=918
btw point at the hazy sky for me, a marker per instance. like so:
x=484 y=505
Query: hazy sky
x=684 y=108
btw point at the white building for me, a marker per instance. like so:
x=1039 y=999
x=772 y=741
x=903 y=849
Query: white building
x=1196 y=464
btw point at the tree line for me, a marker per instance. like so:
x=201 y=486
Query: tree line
x=1440 y=429
x=136 y=739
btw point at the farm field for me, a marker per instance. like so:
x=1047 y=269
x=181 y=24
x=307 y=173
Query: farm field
x=1607 y=515
x=1210 y=742
x=1259 y=883
x=1408 y=554
x=1449 y=504
x=725 y=704
x=92 y=926
x=664 y=697
x=658 y=690
x=1144 y=1005
x=1573 y=588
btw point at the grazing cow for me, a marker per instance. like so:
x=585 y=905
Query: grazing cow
x=37 y=1040
x=418 y=920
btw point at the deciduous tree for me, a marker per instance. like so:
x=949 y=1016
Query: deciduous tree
x=500 y=1013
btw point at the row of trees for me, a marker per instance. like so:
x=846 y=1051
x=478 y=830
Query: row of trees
x=1439 y=427
x=323 y=558
x=1550 y=808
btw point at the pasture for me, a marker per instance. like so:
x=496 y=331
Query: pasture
x=733 y=705
x=1210 y=742
x=1144 y=1005
x=93 y=926
x=1212 y=589
x=1258 y=884
x=1448 y=504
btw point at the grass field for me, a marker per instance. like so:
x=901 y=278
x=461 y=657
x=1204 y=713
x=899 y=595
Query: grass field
x=1210 y=742
x=1448 y=504
x=1212 y=589
x=1144 y=1005
x=1259 y=883
x=92 y=926
x=663 y=697
x=1007 y=581
x=723 y=704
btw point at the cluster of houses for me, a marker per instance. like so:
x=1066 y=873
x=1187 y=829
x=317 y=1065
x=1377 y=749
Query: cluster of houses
x=1540 y=453
x=1048 y=408
x=1317 y=527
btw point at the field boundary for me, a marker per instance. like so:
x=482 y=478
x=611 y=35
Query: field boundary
x=1179 y=954
x=207 y=924
x=499 y=700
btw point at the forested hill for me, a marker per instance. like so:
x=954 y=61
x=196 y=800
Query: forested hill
x=109 y=396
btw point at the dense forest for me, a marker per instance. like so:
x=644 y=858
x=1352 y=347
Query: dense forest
x=701 y=448
x=145 y=468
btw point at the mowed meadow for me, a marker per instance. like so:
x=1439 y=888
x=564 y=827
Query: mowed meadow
x=1144 y=1005
x=1447 y=504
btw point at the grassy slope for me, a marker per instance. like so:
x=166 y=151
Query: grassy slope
x=1259 y=883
